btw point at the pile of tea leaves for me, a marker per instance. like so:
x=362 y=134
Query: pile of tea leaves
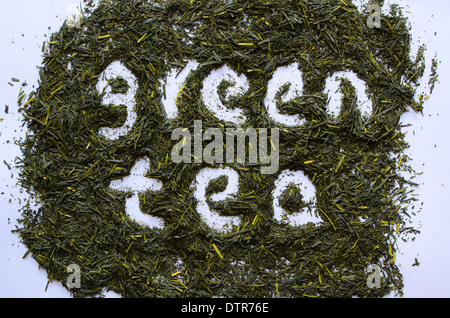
x=355 y=164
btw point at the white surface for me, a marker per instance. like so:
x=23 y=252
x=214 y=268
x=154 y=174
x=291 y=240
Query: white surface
x=137 y=183
x=173 y=84
x=239 y=85
x=300 y=180
x=333 y=85
x=113 y=71
x=292 y=75
x=211 y=217
x=428 y=138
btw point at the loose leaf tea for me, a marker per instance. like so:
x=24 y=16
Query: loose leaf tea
x=291 y=200
x=353 y=159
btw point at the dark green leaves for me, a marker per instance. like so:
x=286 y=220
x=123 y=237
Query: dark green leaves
x=354 y=164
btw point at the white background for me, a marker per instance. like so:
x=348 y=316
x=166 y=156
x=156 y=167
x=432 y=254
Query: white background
x=25 y=24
